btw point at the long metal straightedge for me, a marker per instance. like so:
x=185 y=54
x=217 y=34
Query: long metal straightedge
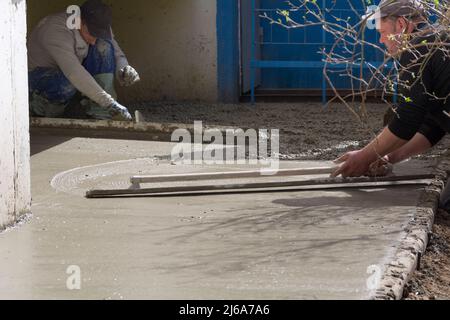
x=263 y=173
x=313 y=184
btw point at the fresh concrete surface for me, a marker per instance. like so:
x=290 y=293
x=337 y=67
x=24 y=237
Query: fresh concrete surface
x=285 y=245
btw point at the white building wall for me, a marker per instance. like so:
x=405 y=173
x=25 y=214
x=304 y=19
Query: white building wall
x=15 y=194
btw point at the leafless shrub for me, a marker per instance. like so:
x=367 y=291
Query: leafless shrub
x=350 y=44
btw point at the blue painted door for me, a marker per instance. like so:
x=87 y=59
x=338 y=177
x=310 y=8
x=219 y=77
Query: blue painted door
x=304 y=44
x=246 y=45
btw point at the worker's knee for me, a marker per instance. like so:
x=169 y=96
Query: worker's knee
x=101 y=58
x=51 y=84
x=104 y=48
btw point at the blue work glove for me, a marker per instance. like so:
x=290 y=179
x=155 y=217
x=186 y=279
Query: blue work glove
x=118 y=112
x=128 y=76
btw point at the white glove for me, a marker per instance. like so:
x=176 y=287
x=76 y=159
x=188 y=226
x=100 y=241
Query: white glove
x=118 y=112
x=128 y=76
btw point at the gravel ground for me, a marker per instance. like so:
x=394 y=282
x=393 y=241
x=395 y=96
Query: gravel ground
x=432 y=280
x=308 y=131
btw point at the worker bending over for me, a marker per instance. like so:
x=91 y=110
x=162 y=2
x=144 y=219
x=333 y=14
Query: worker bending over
x=422 y=117
x=72 y=71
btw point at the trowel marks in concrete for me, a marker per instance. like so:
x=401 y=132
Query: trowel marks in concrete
x=116 y=175
x=107 y=175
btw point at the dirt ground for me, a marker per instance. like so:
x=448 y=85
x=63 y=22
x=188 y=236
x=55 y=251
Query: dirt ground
x=308 y=131
x=432 y=280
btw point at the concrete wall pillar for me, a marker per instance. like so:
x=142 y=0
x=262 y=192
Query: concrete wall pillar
x=15 y=195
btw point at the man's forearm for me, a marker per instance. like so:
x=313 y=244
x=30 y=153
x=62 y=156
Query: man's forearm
x=384 y=144
x=121 y=59
x=417 y=145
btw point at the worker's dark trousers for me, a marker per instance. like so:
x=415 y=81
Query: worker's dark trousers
x=52 y=94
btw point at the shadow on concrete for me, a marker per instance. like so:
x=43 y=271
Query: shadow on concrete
x=315 y=209
x=295 y=227
x=374 y=197
x=40 y=142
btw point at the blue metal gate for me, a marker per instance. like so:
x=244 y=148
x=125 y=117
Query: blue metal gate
x=292 y=58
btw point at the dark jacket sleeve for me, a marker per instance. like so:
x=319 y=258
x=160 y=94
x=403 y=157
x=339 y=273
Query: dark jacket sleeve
x=415 y=82
x=432 y=131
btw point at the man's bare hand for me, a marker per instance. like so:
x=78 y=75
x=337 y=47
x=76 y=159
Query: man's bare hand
x=353 y=164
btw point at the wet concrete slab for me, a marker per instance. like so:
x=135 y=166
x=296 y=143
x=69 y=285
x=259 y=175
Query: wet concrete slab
x=280 y=245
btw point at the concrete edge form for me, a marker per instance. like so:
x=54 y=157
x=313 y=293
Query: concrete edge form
x=64 y=123
x=398 y=272
x=114 y=129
